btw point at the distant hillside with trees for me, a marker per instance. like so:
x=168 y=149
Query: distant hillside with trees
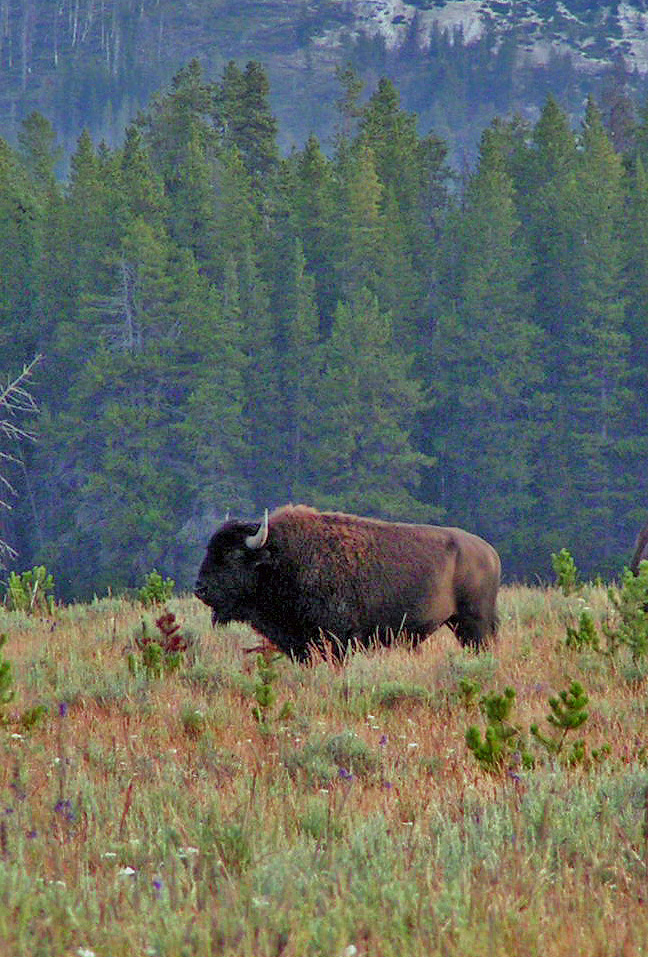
x=94 y=64
x=224 y=328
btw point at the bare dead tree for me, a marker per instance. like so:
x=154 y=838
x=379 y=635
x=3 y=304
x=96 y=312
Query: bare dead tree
x=15 y=403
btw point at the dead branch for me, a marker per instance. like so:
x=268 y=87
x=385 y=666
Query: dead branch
x=15 y=402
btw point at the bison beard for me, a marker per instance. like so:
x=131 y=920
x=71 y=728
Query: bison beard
x=305 y=578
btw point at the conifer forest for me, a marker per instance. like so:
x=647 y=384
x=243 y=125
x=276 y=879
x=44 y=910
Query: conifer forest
x=226 y=328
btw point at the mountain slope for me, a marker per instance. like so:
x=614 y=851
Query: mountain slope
x=94 y=63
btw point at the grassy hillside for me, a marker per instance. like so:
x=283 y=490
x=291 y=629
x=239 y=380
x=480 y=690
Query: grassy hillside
x=155 y=814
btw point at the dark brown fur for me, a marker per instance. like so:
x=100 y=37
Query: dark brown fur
x=331 y=576
x=640 y=551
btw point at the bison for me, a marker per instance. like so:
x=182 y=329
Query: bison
x=305 y=579
x=640 y=550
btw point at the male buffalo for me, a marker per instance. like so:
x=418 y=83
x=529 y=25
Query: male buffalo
x=305 y=578
x=640 y=551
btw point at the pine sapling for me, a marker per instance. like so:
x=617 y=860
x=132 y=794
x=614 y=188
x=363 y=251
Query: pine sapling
x=6 y=682
x=631 y=605
x=31 y=591
x=265 y=693
x=161 y=652
x=156 y=590
x=567 y=577
x=585 y=636
x=567 y=714
x=502 y=744
x=469 y=689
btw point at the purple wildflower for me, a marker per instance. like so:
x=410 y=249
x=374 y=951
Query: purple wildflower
x=345 y=774
x=63 y=709
x=157 y=886
x=65 y=809
x=383 y=740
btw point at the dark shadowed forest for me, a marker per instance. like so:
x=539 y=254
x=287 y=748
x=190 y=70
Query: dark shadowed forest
x=225 y=328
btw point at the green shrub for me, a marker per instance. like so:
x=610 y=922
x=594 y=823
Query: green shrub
x=389 y=694
x=193 y=721
x=342 y=756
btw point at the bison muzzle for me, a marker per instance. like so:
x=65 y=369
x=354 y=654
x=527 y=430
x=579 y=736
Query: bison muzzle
x=305 y=579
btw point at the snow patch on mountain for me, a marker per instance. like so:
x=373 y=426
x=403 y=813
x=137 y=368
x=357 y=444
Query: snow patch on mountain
x=634 y=24
x=592 y=38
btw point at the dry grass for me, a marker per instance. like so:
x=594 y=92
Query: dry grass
x=158 y=817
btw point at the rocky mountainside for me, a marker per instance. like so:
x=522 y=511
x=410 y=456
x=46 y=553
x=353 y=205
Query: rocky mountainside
x=592 y=35
x=94 y=63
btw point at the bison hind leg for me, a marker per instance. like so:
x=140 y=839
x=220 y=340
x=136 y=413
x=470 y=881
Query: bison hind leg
x=475 y=627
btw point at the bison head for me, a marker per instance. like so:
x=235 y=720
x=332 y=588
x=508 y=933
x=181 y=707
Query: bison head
x=229 y=575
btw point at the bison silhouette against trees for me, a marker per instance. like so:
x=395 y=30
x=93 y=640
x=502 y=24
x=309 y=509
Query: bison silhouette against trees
x=304 y=578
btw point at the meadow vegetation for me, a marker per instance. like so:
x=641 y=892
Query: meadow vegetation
x=239 y=804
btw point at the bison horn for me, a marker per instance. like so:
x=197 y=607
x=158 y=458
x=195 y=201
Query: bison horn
x=259 y=540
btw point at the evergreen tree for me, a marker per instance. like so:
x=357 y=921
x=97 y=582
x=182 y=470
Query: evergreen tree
x=39 y=152
x=51 y=267
x=596 y=361
x=484 y=368
x=299 y=365
x=550 y=233
x=363 y=458
x=20 y=226
x=244 y=117
x=87 y=206
x=360 y=252
x=315 y=210
x=636 y=255
x=211 y=430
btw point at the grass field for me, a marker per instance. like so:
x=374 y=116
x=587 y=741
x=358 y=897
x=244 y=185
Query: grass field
x=154 y=814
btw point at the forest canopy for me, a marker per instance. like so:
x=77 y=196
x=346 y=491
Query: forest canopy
x=225 y=328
